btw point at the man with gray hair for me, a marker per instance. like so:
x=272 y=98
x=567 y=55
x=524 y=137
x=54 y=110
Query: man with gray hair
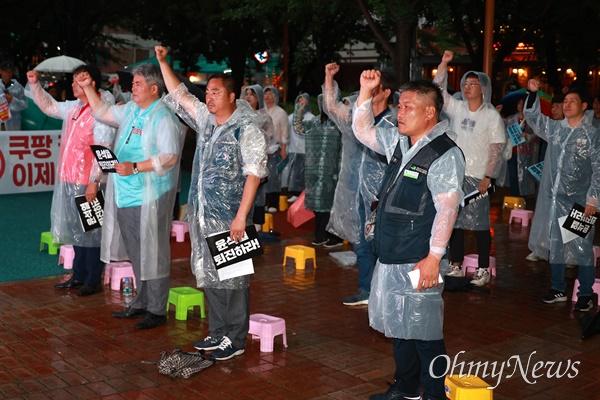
x=140 y=196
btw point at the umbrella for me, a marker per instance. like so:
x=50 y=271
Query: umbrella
x=509 y=102
x=59 y=64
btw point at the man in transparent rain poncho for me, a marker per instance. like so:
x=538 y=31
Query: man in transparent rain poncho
x=360 y=176
x=230 y=160
x=78 y=174
x=482 y=138
x=141 y=194
x=418 y=204
x=571 y=176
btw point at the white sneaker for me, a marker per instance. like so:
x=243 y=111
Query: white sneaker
x=533 y=257
x=482 y=276
x=292 y=199
x=455 y=270
x=271 y=210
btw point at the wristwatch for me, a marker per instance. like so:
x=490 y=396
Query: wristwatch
x=135 y=170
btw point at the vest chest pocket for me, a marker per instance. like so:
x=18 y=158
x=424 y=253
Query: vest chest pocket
x=409 y=192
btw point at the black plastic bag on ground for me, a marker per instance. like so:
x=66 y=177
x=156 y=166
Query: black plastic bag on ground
x=181 y=364
x=461 y=284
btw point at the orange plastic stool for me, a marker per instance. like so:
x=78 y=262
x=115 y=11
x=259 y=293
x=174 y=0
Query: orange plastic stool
x=300 y=254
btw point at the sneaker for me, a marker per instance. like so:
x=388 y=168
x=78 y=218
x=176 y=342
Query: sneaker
x=482 y=276
x=533 y=257
x=455 y=270
x=226 y=350
x=554 y=296
x=209 y=343
x=584 y=303
x=271 y=210
x=318 y=242
x=331 y=244
x=360 y=297
x=292 y=199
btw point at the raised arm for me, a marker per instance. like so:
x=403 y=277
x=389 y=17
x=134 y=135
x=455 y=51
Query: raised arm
x=441 y=77
x=101 y=109
x=41 y=98
x=339 y=112
x=363 y=122
x=169 y=76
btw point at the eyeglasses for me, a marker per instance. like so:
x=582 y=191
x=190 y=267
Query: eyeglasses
x=471 y=84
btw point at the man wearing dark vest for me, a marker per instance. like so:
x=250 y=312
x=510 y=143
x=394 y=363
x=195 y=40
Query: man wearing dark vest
x=418 y=204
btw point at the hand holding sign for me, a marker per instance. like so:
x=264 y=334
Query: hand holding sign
x=105 y=157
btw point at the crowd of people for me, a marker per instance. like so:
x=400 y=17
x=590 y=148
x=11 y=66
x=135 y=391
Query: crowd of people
x=387 y=170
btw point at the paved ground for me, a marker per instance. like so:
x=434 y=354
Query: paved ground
x=54 y=345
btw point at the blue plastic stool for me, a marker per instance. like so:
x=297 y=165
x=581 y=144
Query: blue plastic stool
x=185 y=298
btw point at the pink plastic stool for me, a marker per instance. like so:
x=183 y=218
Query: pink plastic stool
x=595 y=288
x=66 y=256
x=114 y=271
x=471 y=263
x=266 y=328
x=524 y=215
x=178 y=229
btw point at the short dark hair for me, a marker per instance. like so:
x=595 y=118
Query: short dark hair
x=472 y=75
x=227 y=80
x=388 y=81
x=558 y=98
x=428 y=89
x=582 y=93
x=94 y=72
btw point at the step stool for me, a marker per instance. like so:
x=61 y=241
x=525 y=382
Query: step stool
x=283 y=203
x=300 y=254
x=268 y=225
x=265 y=328
x=46 y=238
x=467 y=388
x=514 y=202
x=471 y=263
x=66 y=256
x=179 y=229
x=115 y=271
x=184 y=298
x=595 y=288
x=523 y=215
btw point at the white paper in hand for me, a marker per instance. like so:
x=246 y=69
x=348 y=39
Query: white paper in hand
x=414 y=276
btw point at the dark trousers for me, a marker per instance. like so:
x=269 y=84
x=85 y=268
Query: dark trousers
x=273 y=199
x=87 y=267
x=413 y=363
x=321 y=221
x=484 y=246
x=229 y=314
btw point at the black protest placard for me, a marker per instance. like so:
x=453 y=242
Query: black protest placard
x=476 y=195
x=91 y=214
x=226 y=252
x=577 y=222
x=105 y=157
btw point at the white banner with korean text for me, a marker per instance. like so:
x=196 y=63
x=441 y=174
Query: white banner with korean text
x=28 y=161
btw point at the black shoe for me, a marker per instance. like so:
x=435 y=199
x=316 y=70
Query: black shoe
x=393 y=393
x=88 y=290
x=70 y=284
x=129 y=313
x=584 y=303
x=151 y=321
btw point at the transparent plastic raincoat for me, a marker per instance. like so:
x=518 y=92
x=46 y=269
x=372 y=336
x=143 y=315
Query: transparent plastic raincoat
x=264 y=121
x=296 y=152
x=18 y=104
x=225 y=155
x=526 y=155
x=162 y=142
x=482 y=138
x=395 y=308
x=360 y=168
x=76 y=163
x=323 y=140
x=571 y=175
